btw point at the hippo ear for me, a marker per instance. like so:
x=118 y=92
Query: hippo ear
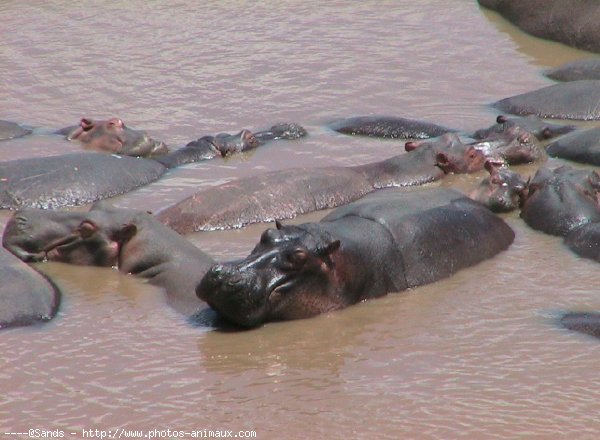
x=329 y=249
x=278 y=224
x=501 y=119
x=126 y=232
x=87 y=228
x=410 y=145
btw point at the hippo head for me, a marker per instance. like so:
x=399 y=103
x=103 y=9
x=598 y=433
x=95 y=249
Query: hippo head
x=515 y=145
x=451 y=154
x=289 y=275
x=113 y=136
x=540 y=128
x=67 y=236
x=503 y=190
x=228 y=144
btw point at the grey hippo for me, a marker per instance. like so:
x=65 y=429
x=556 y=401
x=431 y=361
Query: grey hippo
x=391 y=127
x=575 y=70
x=81 y=178
x=571 y=100
x=26 y=296
x=581 y=146
x=12 y=130
x=388 y=241
x=287 y=193
x=133 y=241
x=572 y=22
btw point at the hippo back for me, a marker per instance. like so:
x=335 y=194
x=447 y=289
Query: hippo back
x=438 y=231
x=72 y=179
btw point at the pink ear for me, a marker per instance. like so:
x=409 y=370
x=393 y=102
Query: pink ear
x=410 y=146
x=116 y=122
x=87 y=228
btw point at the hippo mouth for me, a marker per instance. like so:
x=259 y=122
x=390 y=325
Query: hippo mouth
x=53 y=250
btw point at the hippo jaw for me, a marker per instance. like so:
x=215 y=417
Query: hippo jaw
x=281 y=279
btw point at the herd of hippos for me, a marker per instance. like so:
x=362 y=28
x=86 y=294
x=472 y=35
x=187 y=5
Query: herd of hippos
x=379 y=239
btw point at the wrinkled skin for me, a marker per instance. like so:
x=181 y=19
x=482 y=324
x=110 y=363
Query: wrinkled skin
x=562 y=200
x=572 y=22
x=575 y=70
x=26 y=296
x=11 y=130
x=581 y=146
x=81 y=178
x=388 y=127
x=582 y=322
x=287 y=193
x=388 y=241
x=572 y=100
x=502 y=191
x=114 y=137
x=106 y=236
x=540 y=128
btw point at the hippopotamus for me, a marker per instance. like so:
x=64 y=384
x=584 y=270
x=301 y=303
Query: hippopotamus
x=113 y=136
x=26 y=296
x=570 y=100
x=82 y=178
x=575 y=70
x=562 y=200
x=11 y=130
x=133 y=241
x=581 y=146
x=388 y=127
x=540 y=128
x=286 y=193
x=582 y=322
x=388 y=241
x=504 y=190
x=514 y=145
x=569 y=22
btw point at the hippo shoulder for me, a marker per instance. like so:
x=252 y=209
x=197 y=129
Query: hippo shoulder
x=26 y=296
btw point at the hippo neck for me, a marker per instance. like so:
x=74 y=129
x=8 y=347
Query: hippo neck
x=414 y=168
x=195 y=151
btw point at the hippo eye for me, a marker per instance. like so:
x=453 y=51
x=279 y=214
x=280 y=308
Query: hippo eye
x=295 y=260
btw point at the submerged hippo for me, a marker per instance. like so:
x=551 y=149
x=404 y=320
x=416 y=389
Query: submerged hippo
x=388 y=241
x=113 y=136
x=562 y=200
x=26 y=296
x=388 y=127
x=576 y=70
x=287 y=193
x=582 y=146
x=11 y=130
x=81 y=178
x=582 y=322
x=571 y=100
x=503 y=190
x=540 y=128
x=133 y=241
x=572 y=22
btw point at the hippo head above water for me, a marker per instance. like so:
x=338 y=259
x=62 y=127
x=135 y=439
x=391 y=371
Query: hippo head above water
x=84 y=238
x=503 y=190
x=288 y=275
x=113 y=136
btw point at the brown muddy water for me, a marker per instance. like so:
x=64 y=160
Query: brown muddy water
x=476 y=356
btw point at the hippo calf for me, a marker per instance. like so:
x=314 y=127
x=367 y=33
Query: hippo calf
x=388 y=241
x=133 y=241
x=535 y=125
